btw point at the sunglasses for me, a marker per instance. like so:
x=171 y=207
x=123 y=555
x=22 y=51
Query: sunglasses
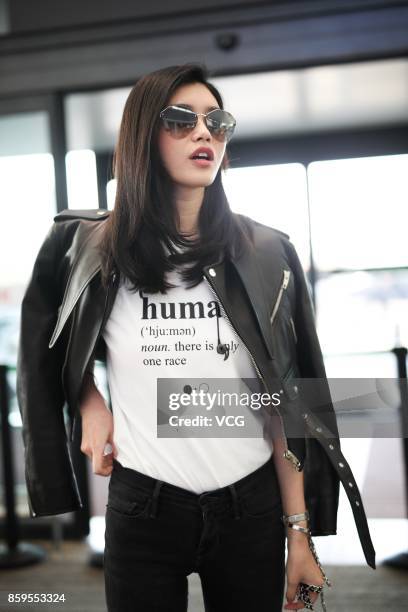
x=181 y=121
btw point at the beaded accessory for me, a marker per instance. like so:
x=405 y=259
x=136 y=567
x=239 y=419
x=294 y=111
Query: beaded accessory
x=304 y=589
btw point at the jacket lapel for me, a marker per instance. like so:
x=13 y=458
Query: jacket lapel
x=262 y=293
x=250 y=274
x=86 y=264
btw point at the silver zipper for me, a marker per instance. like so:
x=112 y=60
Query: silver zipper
x=284 y=284
x=287 y=454
x=293 y=329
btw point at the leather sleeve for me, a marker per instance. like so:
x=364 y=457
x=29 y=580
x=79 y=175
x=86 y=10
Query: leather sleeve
x=321 y=480
x=49 y=476
x=309 y=353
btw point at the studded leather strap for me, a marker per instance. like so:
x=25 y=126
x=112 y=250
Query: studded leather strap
x=332 y=447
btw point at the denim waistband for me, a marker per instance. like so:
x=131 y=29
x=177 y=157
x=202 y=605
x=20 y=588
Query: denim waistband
x=243 y=486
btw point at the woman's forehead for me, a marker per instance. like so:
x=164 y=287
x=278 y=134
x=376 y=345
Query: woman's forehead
x=195 y=96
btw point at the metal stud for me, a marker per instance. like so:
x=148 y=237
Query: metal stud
x=341 y=464
x=295 y=388
x=212 y=272
x=305 y=415
x=331 y=446
x=350 y=484
x=319 y=429
x=357 y=503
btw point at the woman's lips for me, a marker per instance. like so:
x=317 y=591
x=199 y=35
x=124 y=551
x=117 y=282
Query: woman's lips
x=203 y=163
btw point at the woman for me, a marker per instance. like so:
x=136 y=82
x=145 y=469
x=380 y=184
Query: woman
x=175 y=261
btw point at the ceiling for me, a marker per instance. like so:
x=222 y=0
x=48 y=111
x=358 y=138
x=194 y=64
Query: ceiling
x=269 y=103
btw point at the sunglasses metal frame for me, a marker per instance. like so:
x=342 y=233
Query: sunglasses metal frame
x=227 y=135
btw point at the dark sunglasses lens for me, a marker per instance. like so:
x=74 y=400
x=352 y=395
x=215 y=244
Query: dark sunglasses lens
x=221 y=123
x=178 y=120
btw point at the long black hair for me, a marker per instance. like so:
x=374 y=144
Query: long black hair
x=142 y=223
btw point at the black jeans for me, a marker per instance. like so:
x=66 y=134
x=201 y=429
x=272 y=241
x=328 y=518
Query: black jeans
x=157 y=534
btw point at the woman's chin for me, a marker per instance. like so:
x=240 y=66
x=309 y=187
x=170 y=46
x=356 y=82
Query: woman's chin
x=194 y=184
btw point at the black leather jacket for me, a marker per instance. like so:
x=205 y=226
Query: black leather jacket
x=266 y=298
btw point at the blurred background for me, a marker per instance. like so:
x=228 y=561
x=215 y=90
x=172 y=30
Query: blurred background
x=320 y=93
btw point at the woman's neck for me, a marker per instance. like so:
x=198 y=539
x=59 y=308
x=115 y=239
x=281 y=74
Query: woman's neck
x=188 y=203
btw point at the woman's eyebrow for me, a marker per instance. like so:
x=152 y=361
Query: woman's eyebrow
x=209 y=108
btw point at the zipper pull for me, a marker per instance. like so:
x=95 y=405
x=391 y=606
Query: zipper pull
x=293 y=459
x=286 y=276
x=284 y=284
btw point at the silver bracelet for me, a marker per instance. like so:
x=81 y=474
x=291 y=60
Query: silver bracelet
x=289 y=519
x=299 y=528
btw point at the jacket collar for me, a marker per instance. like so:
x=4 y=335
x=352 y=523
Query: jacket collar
x=87 y=264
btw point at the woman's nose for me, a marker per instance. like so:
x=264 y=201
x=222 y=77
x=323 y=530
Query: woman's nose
x=201 y=127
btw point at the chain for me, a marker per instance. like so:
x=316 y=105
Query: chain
x=327 y=581
x=312 y=548
x=289 y=521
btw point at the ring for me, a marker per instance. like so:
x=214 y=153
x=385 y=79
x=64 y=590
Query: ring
x=108 y=449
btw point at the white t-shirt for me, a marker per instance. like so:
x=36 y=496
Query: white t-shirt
x=150 y=336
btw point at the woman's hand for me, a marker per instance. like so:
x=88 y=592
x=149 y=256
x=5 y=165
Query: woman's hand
x=97 y=429
x=300 y=567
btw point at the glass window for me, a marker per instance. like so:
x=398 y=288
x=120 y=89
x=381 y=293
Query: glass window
x=82 y=183
x=358 y=225
x=359 y=212
x=363 y=311
x=275 y=195
x=27 y=194
x=111 y=193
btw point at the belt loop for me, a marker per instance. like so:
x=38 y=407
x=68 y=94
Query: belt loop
x=235 y=500
x=155 y=496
